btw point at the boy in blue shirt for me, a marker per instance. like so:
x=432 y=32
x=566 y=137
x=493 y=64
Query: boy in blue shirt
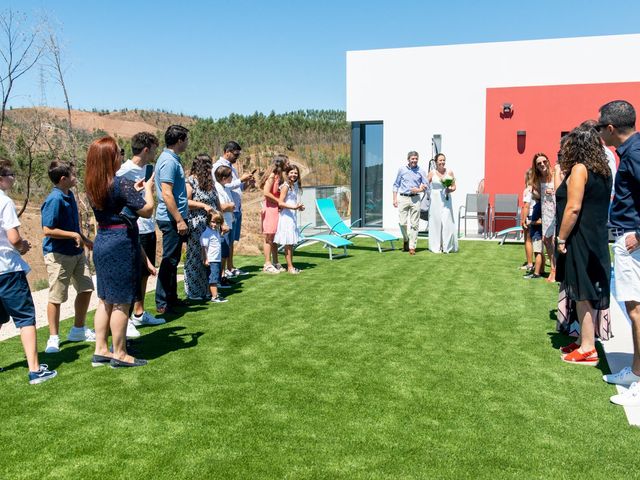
x=15 y=295
x=63 y=249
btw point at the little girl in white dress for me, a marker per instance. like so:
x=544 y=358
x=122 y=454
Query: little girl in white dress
x=288 y=233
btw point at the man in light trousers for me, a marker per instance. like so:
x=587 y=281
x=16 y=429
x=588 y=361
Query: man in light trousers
x=410 y=182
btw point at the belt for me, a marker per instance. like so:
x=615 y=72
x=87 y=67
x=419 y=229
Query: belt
x=618 y=232
x=112 y=227
x=409 y=194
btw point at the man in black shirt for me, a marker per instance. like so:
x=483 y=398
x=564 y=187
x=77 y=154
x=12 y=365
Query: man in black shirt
x=617 y=128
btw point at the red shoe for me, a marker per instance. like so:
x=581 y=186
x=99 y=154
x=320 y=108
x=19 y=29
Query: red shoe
x=569 y=348
x=582 y=358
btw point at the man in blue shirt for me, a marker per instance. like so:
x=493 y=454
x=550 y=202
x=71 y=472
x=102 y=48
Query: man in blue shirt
x=410 y=182
x=171 y=215
x=617 y=128
x=63 y=249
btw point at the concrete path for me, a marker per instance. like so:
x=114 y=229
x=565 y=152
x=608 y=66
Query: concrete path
x=40 y=299
x=619 y=349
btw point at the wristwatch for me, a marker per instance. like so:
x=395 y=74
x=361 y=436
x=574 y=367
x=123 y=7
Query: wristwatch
x=559 y=241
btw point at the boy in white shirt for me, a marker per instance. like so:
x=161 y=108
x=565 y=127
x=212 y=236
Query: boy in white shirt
x=211 y=243
x=15 y=295
x=223 y=177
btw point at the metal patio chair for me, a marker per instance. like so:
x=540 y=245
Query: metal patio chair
x=505 y=207
x=476 y=207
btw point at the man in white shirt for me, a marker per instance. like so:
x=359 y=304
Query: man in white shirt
x=230 y=155
x=143 y=146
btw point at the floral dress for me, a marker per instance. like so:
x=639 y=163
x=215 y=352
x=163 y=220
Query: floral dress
x=196 y=283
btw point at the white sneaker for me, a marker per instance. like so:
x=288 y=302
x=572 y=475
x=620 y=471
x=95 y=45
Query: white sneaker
x=623 y=377
x=132 y=331
x=53 y=345
x=628 y=398
x=147 y=319
x=237 y=272
x=229 y=273
x=81 y=334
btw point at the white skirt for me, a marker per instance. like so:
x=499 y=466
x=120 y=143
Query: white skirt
x=287 y=233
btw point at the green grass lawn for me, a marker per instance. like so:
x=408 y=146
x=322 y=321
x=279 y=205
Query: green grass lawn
x=370 y=366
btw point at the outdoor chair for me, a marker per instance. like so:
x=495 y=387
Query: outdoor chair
x=515 y=231
x=505 y=208
x=332 y=219
x=328 y=241
x=476 y=207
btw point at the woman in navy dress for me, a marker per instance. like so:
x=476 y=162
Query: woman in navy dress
x=116 y=250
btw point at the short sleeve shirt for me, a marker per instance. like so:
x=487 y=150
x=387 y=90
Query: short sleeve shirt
x=169 y=170
x=133 y=172
x=122 y=194
x=224 y=197
x=60 y=210
x=10 y=258
x=211 y=240
x=625 y=207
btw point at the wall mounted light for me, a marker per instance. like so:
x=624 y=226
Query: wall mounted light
x=522 y=133
x=507 y=108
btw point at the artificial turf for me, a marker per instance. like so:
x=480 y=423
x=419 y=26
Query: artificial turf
x=370 y=366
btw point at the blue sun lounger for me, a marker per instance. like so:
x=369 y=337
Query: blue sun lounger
x=329 y=242
x=332 y=218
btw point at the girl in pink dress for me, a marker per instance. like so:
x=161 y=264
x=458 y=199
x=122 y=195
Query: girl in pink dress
x=270 y=184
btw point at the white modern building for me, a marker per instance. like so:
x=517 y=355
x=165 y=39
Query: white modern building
x=489 y=107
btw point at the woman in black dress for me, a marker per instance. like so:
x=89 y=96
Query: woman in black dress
x=584 y=265
x=116 y=250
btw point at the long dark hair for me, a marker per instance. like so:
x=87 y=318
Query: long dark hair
x=537 y=179
x=582 y=145
x=293 y=166
x=103 y=161
x=276 y=167
x=201 y=170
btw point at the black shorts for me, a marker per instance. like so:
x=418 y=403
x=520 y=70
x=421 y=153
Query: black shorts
x=148 y=244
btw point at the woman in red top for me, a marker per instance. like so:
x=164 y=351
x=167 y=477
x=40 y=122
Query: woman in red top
x=270 y=184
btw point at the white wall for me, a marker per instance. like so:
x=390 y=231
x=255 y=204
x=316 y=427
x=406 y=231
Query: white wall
x=418 y=92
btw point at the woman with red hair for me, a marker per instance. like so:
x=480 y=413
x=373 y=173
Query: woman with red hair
x=116 y=203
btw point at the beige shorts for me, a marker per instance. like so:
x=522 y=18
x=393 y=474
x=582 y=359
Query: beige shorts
x=66 y=269
x=626 y=271
x=537 y=245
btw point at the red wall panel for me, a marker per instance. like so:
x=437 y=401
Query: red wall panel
x=543 y=112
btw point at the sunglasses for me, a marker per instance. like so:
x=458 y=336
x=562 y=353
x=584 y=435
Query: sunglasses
x=601 y=126
x=9 y=175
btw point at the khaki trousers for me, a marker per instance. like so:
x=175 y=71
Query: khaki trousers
x=409 y=210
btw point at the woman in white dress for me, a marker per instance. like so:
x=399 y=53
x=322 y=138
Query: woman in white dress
x=442 y=227
x=288 y=234
x=543 y=178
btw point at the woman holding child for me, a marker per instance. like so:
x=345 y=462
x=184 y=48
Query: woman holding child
x=203 y=200
x=288 y=233
x=584 y=265
x=116 y=251
x=270 y=215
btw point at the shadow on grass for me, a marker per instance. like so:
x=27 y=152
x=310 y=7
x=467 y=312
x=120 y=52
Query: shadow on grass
x=166 y=340
x=67 y=354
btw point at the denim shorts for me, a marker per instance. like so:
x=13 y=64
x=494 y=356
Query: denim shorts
x=214 y=273
x=15 y=300
x=224 y=245
x=234 y=234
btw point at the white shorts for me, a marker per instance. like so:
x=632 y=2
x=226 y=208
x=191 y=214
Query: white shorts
x=626 y=271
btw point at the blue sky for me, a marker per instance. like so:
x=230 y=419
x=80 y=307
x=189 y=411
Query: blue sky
x=212 y=58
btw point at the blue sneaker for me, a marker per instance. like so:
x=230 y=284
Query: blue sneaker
x=42 y=375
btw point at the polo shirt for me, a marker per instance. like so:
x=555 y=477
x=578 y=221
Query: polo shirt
x=60 y=210
x=169 y=170
x=133 y=172
x=10 y=258
x=625 y=207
